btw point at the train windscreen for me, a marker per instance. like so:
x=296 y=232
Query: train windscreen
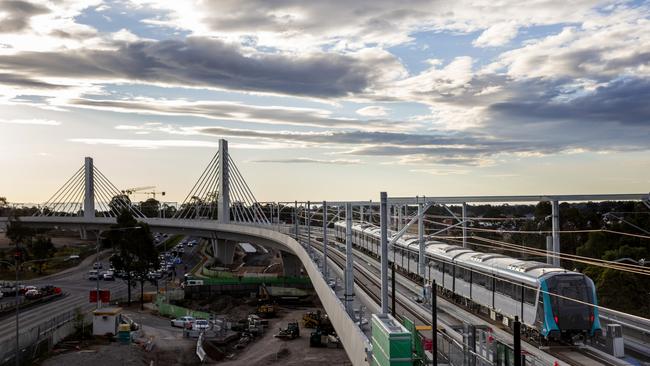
x=570 y=309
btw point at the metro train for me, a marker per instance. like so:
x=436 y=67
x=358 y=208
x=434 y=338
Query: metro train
x=502 y=286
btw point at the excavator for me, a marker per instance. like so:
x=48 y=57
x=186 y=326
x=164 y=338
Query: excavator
x=265 y=308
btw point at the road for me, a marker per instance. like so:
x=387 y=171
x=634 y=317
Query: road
x=76 y=286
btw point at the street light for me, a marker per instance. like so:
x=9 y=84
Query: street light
x=99 y=236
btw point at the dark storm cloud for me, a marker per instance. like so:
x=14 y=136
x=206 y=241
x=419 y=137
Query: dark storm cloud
x=18 y=14
x=624 y=101
x=209 y=63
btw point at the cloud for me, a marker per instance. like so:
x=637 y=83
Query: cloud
x=145 y=144
x=373 y=111
x=341 y=24
x=309 y=161
x=623 y=101
x=497 y=35
x=205 y=62
x=40 y=122
x=26 y=82
x=15 y=15
x=237 y=111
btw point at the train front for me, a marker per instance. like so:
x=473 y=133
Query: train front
x=569 y=310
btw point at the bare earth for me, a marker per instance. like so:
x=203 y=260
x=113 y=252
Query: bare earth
x=170 y=348
x=269 y=350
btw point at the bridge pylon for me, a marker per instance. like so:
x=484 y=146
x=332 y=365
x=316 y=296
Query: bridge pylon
x=89 y=194
x=222 y=194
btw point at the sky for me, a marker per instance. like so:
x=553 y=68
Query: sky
x=328 y=100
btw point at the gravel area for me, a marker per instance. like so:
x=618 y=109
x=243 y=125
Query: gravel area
x=102 y=355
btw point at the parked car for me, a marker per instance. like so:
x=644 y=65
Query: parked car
x=24 y=289
x=183 y=322
x=108 y=276
x=97 y=265
x=32 y=294
x=201 y=325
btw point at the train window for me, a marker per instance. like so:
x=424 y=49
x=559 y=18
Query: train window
x=529 y=296
x=448 y=269
x=516 y=291
x=467 y=276
x=480 y=279
x=504 y=287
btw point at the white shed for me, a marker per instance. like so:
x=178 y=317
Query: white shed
x=106 y=321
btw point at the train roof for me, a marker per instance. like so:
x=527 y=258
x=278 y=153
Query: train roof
x=503 y=265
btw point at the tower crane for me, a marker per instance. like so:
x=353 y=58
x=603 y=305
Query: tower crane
x=139 y=190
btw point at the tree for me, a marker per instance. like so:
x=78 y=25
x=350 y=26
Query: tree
x=42 y=248
x=135 y=252
x=150 y=207
x=119 y=203
x=18 y=233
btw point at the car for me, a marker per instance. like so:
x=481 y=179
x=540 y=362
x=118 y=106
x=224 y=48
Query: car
x=32 y=294
x=28 y=288
x=97 y=265
x=73 y=257
x=108 y=276
x=183 y=322
x=201 y=325
x=93 y=275
x=182 y=250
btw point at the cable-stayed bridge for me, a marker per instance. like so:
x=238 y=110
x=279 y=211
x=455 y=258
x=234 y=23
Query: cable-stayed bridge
x=354 y=239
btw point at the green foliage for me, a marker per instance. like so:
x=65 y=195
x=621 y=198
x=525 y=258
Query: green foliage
x=135 y=252
x=42 y=248
x=150 y=207
x=623 y=291
x=18 y=233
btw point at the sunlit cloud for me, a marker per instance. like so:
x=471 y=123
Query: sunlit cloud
x=146 y=144
x=40 y=122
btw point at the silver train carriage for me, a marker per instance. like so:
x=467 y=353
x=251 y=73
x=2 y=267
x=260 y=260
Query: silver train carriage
x=551 y=302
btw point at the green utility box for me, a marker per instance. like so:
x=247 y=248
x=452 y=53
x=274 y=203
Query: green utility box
x=391 y=342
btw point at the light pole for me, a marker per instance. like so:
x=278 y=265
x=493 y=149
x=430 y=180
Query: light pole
x=99 y=236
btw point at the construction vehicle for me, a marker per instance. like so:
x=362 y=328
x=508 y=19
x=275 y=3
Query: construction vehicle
x=266 y=310
x=317 y=320
x=265 y=307
x=291 y=332
x=311 y=319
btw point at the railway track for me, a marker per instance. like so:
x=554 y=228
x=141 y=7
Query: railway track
x=568 y=355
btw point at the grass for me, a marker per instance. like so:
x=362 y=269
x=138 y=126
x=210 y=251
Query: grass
x=172 y=242
x=56 y=264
